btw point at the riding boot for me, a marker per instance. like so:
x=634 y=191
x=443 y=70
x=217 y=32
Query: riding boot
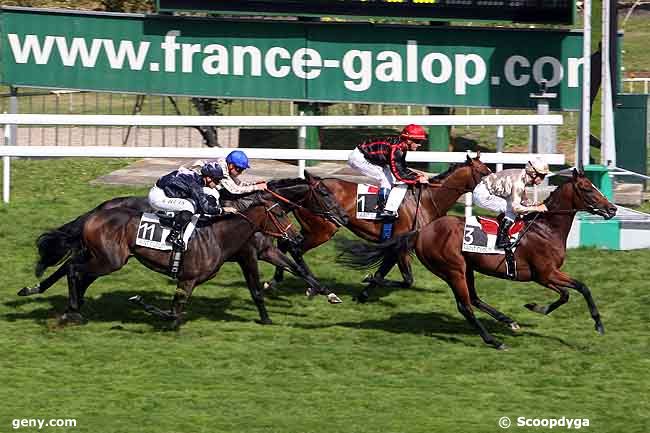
x=511 y=270
x=175 y=238
x=382 y=198
x=503 y=235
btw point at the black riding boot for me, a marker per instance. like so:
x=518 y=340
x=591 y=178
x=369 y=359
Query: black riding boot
x=175 y=238
x=511 y=267
x=503 y=237
x=382 y=198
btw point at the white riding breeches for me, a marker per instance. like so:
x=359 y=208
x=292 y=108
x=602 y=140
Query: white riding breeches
x=396 y=196
x=159 y=201
x=211 y=191
x=383 y=175
x=484 y=199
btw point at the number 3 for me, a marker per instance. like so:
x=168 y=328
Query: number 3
x=469 y=235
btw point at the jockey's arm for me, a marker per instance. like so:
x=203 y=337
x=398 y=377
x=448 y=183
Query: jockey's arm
x=516 y=200
x=399 y=169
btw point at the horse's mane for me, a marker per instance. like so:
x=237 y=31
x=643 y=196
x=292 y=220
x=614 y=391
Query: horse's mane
x=283 y=183
x=555 y=194
x=442 y=176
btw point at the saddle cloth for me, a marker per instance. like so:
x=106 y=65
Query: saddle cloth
x=367 y=200
x=480 y=235
x=153 y=234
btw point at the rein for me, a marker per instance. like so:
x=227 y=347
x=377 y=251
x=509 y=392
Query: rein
x=326 y=212
x=417 y=208
x=282 y=231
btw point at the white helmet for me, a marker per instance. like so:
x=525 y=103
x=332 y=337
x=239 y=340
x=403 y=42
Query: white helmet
x=537 y=167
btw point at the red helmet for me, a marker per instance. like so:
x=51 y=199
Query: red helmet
x=414 y=132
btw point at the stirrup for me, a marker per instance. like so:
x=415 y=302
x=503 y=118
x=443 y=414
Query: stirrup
x=387 y=214
x=176 y=240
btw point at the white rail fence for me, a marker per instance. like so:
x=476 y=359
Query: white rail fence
x=300 y=154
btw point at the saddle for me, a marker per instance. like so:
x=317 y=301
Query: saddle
x=491 y=225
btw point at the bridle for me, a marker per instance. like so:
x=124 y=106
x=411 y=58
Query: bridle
x=277 y=229
x=326 y=210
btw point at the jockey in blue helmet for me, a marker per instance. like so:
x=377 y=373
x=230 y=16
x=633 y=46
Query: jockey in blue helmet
x=187 y=192
x=231 y=187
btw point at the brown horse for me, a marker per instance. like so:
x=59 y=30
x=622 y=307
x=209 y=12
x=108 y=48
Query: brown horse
x=101 y=241
x=540 y=254
x=423 y=204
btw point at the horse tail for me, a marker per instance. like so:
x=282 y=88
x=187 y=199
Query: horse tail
x=362 y=255
x=56 y=245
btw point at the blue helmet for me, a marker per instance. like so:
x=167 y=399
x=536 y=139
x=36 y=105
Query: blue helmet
x=238 y=159
x=213 y=170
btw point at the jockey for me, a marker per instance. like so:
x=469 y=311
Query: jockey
x=187 y=192
x=505 y=192
x=384 y=159
x=231 y=187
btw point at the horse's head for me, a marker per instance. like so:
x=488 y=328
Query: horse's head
x=588 y=198
x=310 y=194
x=464 y=176
x=478 y=169
x=323 y=201
x=579 y=194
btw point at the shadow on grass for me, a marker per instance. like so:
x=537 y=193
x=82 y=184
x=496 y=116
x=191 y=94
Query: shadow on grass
x=115 y=307
x=441 y=326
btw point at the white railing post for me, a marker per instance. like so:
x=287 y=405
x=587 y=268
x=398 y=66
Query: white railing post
x=6 y=167
x=302 y=138
x=500 y=140
x=468 y=204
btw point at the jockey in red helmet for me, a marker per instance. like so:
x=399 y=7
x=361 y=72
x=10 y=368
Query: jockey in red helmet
x=384 y=159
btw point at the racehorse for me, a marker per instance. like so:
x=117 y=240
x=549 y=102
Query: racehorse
x=422 y=205
x=83 y=239
x=539 y=255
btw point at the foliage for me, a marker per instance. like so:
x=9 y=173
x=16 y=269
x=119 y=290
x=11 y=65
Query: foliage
x=102 y=5
x=405 y=363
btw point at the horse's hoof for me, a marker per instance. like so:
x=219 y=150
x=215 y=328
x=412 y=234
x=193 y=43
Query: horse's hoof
x=333 y=299
x=367 y=279
x=266 y=321
x=600 y=328
x=72 y=318
x=535 y=308
x=501 y=346
x=137 y=299
x=25 y=291
x=515 y=326
x=362 y=297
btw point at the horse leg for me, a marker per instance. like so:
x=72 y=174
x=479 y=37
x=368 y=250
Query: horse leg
x=181 y=298
x=548 y=309
x=484 y=306
x=404 y=264
x=79 y=278
x=48 y=282
x=377 y=279
x=278 y=275
x=593 y=310
x=274 y=256
x=248 y=265
x=457 y=280
x=559 y=282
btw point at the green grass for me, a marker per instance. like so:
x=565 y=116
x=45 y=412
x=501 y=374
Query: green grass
x=405 y=363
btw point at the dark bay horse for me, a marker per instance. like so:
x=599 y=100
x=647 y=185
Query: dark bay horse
x=423 y=202
x=232 y=238
x=539 y=254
